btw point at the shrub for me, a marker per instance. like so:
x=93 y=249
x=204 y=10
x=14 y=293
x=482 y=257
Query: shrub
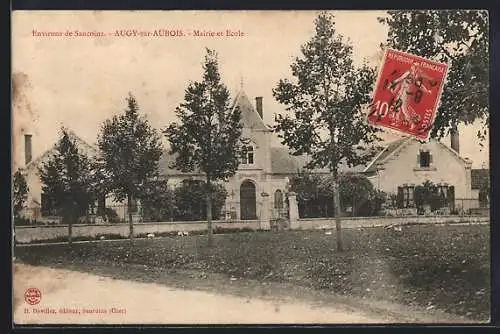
x=190 y=201
x=315 y=195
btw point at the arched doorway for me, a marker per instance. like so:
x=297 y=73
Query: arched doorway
x=248 y=205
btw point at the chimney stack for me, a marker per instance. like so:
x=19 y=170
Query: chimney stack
x=27 y=149
x=258 y=104
x=455 y=142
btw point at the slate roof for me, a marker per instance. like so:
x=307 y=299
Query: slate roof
x=388 y=150
x=394 y=145
x=249 y=116
x=479 y=177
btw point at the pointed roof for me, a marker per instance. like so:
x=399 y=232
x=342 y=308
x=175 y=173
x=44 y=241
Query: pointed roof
x=249 y=117
x=88 y=148
x=398 y=144
x=386 y=152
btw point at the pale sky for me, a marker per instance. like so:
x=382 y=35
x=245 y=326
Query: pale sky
x=81 y=81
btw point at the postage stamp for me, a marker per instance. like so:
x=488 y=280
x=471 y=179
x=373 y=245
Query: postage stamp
x=407 y=93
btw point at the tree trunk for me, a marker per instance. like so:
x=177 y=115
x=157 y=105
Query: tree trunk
x=336 y=208
x=209 y=212
x=130 y=222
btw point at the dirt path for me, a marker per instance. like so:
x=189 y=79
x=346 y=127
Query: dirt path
x=151 y=296
x=127 y=302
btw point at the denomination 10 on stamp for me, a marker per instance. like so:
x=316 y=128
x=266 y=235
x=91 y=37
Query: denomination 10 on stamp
x=407 y=93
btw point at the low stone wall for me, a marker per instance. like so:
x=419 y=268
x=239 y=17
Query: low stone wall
x=27 y=234
x=357 y=222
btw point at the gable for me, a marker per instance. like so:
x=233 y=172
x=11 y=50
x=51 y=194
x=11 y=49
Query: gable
x=88 y=149
x=393 y=147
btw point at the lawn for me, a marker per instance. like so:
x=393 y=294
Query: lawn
x=437 y=267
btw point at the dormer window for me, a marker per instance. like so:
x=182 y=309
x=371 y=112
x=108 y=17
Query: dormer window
x=247 y=155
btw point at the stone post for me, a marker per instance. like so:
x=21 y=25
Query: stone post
x=293 y=210
x=265 y=224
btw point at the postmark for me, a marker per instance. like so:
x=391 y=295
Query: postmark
x=407 y=94
x=33 y=296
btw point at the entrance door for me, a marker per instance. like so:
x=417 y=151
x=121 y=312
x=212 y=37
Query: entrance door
x=248 y=206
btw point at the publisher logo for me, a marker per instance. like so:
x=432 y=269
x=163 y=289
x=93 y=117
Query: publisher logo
x=32 y=296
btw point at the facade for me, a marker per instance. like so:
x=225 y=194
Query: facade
x=264 y=170
x=38 y=207
x=407 y=163
x=262 y=179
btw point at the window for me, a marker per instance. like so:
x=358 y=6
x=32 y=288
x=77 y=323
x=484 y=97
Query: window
x=405 y=198
x=425 y=159
x=247 y=155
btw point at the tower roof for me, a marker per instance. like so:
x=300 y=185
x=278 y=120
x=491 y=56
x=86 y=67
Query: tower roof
x=249 y=116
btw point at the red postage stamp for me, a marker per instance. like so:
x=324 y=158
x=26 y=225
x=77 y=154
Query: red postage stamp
x=407 y=93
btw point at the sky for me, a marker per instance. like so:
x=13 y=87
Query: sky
x=80 y=81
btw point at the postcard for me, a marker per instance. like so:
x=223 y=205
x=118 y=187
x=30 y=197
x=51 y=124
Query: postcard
x=250 y=167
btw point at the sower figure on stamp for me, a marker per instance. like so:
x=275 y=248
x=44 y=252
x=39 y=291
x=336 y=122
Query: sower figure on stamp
x=402 y=90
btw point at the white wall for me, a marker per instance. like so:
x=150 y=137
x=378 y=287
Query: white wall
x=402 y=168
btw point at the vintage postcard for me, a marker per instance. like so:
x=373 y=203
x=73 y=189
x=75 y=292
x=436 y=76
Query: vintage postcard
x=217 y=167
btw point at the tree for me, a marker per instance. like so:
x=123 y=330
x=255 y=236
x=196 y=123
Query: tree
x=130 y=150
x=20 y=192
x=191 y=204
x=358 y=192
x=459 y=37
x=207 y=136
x=65 y=180
x=328 y=122
x=158 y=201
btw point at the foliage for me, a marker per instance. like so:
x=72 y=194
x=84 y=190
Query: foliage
x=326 y=101
x=459 y=37
x=327 y=120
x=357 y=192
x=314 y=200
x=65 y=179
x=130 y=150
x=447 y=267
x=158 y=202
x=207 y=136
x=20 y=192
x=428 y=194
x=190 y=202
x=315 y=195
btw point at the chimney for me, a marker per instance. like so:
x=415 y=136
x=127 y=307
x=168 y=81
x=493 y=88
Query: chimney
x=455 y=143
x=27 y=149
x=258 y=104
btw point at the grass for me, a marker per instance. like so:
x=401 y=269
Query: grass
x=440 y=267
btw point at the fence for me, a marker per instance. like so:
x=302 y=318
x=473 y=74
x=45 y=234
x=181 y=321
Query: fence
x=118 y=214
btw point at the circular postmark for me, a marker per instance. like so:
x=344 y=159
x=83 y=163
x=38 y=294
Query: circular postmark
x=32 y=296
